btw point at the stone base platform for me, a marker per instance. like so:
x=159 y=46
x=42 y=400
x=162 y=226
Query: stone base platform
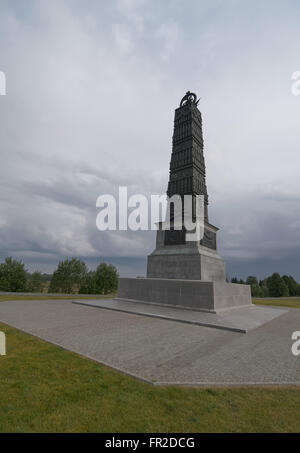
x=213 y=297
x=189 y=261
x=186 y=266
x=240 y=320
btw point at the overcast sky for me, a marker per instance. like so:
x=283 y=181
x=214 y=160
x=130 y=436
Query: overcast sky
x=91 y=92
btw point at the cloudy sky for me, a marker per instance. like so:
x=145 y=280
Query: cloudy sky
x=91 y=92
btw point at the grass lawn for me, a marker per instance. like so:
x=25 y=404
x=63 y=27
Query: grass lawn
x=292 y=302
x=4 y=297
x=45 y=388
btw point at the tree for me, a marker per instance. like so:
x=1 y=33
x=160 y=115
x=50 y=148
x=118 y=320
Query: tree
x=277 y=286
x=234 y=280
x=255 y=288
x=88 y=284
x=13 y=275
x=264 y=291
x=68 y=274
x=4 y=284
x=291 y=284
x=35 y=282
x=106 y=278
x=251 y=280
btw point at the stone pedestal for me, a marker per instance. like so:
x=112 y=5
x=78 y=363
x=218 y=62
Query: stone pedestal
x=189 y=260
x=214 y=297
x=181 y=263
x=188 y=275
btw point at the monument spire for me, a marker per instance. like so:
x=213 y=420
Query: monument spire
x=187 y=166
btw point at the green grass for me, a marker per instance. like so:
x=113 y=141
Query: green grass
x=4 y=297
x=44 y=388
x=292 y=302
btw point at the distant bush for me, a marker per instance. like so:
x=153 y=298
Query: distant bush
x=277 y=286
x=35 y=282
x=273 y=286
x=13 y=276
x=68 y=274
x=291 y=284
x=88 y=284
x=103 y=281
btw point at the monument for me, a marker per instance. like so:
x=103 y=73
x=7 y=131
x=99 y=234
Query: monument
x=181 y=273
x=174 y=257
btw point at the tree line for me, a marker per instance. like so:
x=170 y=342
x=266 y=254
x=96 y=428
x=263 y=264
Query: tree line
x=273 y=286
x=70 y=276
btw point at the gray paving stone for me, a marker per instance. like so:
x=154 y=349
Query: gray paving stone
x=237 y=320
x=162 y=351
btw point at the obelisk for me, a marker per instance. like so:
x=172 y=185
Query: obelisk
x=183 y=273
x=174 y=257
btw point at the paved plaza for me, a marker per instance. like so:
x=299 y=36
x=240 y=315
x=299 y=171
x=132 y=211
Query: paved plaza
x=236 y=320
x=163 y=351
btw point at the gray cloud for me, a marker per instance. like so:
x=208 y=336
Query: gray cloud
x=91 y=93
